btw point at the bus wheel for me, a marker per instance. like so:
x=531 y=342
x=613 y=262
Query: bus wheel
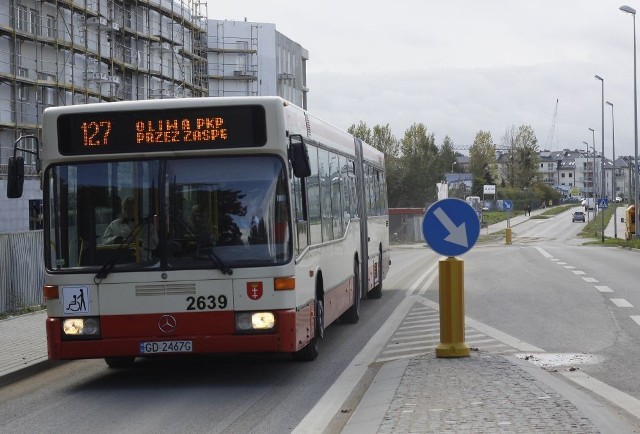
x=119 y=362
x=311 y=350
x=376 y=291
x=352 y=315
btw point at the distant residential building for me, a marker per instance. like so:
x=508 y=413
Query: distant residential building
x=250 y=59
x=459 y=184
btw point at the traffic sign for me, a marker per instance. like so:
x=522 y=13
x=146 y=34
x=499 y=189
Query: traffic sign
x=507 y=205
x=451 y=227
x=603 y=203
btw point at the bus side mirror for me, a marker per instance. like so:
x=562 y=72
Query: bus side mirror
x=15 y=177
x=299 y=156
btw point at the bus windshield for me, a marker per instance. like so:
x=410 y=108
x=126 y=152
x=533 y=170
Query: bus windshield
x=222 y=212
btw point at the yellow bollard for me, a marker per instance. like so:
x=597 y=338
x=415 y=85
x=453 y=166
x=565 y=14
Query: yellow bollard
x=452 y=309
x=508 y=236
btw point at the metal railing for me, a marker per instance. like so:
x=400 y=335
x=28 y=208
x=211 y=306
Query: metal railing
x=21 y=270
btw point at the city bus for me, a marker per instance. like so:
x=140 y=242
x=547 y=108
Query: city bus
x=204 y=225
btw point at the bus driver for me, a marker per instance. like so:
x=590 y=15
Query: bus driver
x=124 y=229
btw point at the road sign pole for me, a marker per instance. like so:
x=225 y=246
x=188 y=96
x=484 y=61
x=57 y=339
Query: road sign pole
x=451 y=289
x=507 y=232
x=451 y=227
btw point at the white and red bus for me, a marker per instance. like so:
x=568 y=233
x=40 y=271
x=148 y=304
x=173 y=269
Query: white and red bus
x=204 y=225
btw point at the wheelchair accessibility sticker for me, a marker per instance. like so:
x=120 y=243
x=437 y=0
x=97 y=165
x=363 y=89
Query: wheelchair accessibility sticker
x=75 y=300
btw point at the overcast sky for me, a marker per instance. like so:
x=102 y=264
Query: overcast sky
x=464 y=66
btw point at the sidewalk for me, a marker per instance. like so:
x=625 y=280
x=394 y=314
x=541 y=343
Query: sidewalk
x=483 y=393
x=23 y=342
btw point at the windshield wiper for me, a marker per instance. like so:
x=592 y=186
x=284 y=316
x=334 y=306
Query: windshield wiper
x=117 y=253
x=219 y=263
x=216 y=259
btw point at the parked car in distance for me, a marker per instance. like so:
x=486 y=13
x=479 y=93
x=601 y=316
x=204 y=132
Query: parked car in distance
x=577 y=216
x=618 y=199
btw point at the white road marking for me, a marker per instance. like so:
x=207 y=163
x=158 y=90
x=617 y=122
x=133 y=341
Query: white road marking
x=578 y=272
x=490 y=331
x=621 y=302
x=421 y=278
x=590 y=280
x=546 y=254
x=602 y=288
x=621 y=399
x=636 y=318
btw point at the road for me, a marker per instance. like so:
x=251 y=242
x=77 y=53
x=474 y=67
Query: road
x=547 y=295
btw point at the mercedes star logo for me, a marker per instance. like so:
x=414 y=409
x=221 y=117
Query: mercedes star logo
x=167 y=323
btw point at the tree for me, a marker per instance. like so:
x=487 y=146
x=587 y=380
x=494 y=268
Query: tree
x=384 y=140
x=446 y=156
x=419 y=160
x=527 y=157
x=524 y=158
x=482 y=164
x=361 y=131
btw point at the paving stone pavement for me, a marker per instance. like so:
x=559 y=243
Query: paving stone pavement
x=484 y=393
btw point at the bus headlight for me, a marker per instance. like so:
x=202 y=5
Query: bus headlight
x=84 y=327
x=255 y=321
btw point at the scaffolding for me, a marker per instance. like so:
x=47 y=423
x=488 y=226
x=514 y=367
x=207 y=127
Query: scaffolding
x=233 y=58
x=64 y=52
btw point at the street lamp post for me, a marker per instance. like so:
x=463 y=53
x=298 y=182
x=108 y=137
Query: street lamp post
x=632 y=11
x=613 y=173
x=585 y=181
x=593 y=177
x=602 y=187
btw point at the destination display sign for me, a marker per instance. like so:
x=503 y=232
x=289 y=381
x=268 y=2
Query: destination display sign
x=171 y=129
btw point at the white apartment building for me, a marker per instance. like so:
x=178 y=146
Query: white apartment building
x=254 y=59
x=64 y=52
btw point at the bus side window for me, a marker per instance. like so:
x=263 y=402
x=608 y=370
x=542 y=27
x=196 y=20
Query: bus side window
x=324 y=160
x=336 y=200
x=351 y=186
x=313 y=198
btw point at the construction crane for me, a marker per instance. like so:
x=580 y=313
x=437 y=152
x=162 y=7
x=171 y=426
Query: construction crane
x=552 y=130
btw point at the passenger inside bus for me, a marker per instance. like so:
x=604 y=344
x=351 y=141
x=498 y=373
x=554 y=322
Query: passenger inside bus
x=125 y=230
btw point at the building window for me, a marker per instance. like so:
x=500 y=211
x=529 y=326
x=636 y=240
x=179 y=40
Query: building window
x=35 y=214
x=51 y=26
x=34 y=25
x=22 y=92
x=45 y=95
x=23 y=18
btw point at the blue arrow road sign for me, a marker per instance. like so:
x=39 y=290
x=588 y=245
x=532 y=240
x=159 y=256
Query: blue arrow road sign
x=451 y=227
x=507 y=205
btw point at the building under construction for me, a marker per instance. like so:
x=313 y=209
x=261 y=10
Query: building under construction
x=63 y=52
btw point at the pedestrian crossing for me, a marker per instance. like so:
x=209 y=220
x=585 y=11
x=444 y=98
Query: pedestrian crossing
x=419 y=333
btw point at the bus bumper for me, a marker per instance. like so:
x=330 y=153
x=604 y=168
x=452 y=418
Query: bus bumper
x=207 y=332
